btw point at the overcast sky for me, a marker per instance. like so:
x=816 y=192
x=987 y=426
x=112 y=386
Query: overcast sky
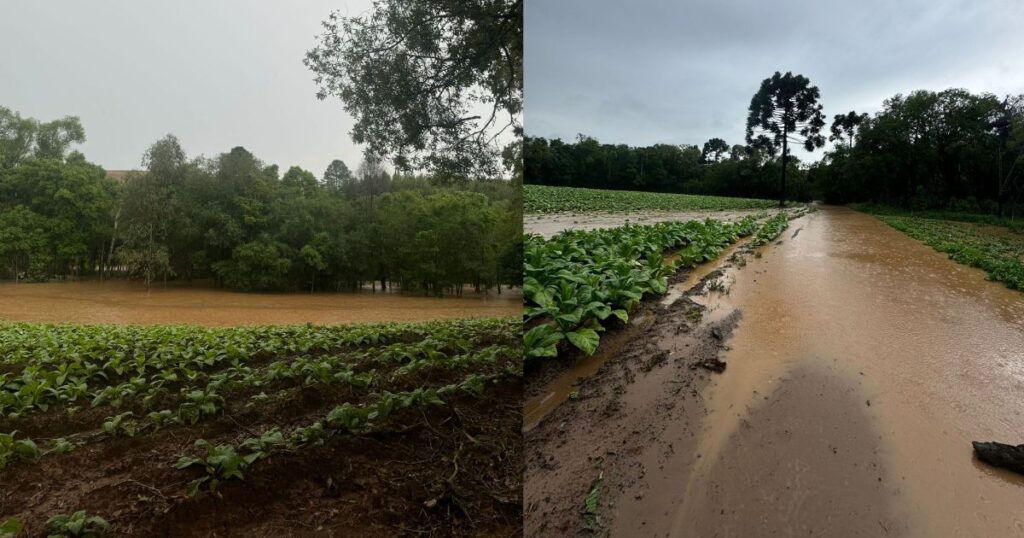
x=645 y=72
x=216 y=73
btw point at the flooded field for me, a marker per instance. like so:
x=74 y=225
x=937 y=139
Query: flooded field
x=128 y=302
x=861 y=365
x=550 y=224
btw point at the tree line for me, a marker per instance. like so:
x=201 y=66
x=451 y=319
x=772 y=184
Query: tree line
x=716 y=168
x=951 y=150
x=241 y=222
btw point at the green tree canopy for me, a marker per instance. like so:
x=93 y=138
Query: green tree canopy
x=431 y=84
x=785 y=109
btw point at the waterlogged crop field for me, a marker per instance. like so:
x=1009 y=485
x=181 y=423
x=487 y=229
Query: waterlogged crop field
x=543 y=199
x=367 y=430
x=1000 y=253
x=579 y=282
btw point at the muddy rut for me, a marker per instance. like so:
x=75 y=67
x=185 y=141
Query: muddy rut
x=861 y=364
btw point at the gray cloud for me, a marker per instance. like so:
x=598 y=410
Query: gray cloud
x=217 y=74
x=644 y=72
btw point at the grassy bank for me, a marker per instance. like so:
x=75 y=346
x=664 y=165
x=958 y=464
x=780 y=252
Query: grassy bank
x=1016 y=225
x=998 y=254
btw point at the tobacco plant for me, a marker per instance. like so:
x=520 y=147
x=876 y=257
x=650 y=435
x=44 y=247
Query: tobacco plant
x=78 y=524
x=12 y=449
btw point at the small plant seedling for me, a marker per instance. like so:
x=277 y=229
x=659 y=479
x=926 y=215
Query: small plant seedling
x=11 y=449
x=10 y=528
x=120 y=425
x=221 y=463
x=78 y=524
x=591 y=520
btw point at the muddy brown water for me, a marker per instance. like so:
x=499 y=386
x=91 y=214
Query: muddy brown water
x=121 y=302
x=550 y=224
x=864 y=365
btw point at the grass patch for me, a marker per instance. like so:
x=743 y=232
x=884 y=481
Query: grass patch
x=998 y=255
x=1015 y=225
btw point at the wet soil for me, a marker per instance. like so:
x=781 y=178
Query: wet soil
x=861 y=366
x=638 y=388
x=452 y=470
x=549 y=224
x=119 y=301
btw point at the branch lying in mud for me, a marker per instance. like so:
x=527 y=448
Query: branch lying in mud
x=1000 y=455
x=711 y=363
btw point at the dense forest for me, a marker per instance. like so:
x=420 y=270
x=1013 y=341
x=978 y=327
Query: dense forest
x=243 y=223
x=931 y=150
x=716 y=168
x=926 y=150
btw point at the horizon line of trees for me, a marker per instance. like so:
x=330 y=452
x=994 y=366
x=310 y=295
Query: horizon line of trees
x=952 y=150
x=239 y=221
x=716 y=168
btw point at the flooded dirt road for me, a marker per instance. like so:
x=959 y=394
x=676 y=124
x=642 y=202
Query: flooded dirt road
x=119 y=301
x=861 y=364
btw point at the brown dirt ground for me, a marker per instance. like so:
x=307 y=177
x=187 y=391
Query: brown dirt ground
x=439 y=471
x=648 y=383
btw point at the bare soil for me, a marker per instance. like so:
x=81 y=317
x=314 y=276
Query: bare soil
x=453 y=470
x=641 y=387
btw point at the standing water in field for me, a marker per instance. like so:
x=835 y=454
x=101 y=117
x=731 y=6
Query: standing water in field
x=119 y=301
x=864 y=365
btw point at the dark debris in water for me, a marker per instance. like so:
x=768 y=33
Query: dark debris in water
x=1000 y=455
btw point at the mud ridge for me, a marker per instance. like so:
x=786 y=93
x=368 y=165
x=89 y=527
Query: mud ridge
x=649 y=384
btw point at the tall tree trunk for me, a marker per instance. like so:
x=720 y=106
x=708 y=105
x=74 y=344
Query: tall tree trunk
x=113 y=238
x=785 y=158
x=999 y=185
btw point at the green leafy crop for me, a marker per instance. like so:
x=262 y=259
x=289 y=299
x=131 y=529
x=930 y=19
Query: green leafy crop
x=12 y=449
x=577 y=281
x=543 y=199
x=220 y=463
x=78 y=524
x=1000 y=254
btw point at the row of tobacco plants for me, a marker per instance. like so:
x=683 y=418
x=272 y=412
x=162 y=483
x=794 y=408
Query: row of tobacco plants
x=577 y=281
x=1000 y=253
x=65 y=388
x=544 y=199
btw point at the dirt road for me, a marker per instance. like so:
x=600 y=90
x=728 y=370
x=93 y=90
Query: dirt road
x=861 y=364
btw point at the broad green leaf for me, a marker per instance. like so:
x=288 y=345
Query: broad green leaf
x=585 y=339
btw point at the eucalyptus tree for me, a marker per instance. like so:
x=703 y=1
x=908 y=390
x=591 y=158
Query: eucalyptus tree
x=337 y=176
x=785 y=109
x=21 y=138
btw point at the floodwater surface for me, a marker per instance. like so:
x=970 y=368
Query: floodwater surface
x=120 y=302
x=864 y=365
x=549 y=224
